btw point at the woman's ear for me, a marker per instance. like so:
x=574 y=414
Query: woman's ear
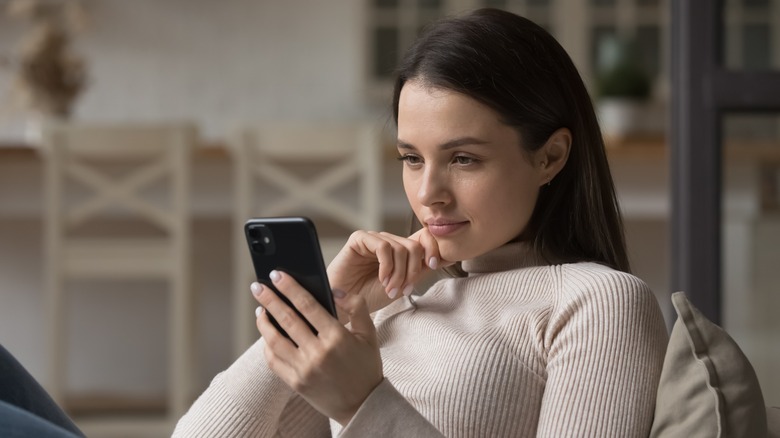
x=551 y=157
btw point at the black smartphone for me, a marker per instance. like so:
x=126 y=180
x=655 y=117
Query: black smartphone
x=290 y=245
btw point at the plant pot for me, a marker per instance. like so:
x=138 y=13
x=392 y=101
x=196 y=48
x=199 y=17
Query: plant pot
x=622 y=117
x=34 y=126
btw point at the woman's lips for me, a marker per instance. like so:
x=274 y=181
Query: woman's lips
x=445 y=229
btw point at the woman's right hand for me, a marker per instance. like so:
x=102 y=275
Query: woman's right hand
x=382 y=267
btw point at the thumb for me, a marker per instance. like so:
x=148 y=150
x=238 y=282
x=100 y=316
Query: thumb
x=354 y=306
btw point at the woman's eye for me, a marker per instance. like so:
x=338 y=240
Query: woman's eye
x=464 y=160
x=410 y=159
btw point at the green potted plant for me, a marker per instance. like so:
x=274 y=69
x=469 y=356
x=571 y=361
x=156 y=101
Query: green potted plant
x=623 y=88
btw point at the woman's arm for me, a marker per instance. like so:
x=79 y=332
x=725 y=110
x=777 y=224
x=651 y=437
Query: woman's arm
x=388 y=411
x=606 y=341
x=248 y=400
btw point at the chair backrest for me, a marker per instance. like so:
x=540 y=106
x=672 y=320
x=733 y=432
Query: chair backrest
x=96 y=171
x=329 y=171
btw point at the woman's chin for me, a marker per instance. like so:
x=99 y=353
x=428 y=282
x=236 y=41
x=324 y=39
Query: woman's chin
x=453 y=253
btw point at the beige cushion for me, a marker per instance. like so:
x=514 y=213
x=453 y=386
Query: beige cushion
x=773 y=422
x=707 y=388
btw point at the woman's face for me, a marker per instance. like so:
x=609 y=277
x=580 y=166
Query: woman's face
x=465 y=173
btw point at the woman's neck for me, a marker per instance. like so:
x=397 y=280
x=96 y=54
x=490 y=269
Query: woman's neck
x=513 y=255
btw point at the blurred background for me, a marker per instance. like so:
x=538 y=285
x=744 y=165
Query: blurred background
x=236 y=71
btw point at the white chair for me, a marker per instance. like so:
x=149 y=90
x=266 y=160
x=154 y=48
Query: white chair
x=134 y=172
x=330 y=172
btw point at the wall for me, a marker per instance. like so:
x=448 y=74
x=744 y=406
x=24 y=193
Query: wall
x=218 y=63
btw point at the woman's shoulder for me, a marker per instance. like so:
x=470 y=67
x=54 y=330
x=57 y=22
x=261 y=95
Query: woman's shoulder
x=590 y=293
x=590 y=281
x=592 y=272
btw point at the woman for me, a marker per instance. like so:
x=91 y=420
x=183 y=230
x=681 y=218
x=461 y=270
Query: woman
x=542 y=332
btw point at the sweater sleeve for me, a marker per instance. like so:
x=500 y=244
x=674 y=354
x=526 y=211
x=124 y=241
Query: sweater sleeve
x=248 y=400
x=606 y=340
x=386 y=410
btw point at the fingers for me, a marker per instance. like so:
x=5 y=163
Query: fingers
x=277 y=345
x=430 y=246
x=402 y=280
x=284 y=314
x=359 y=317
x=418 y=253
x=401 y=264
x=398 y=262
x=386 y=256
x=433 y=257
x=302 y=299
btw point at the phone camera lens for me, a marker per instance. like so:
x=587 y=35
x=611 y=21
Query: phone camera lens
x=254 y=233
x=258 y=247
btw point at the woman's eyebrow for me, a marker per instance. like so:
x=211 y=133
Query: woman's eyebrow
x=462 y=141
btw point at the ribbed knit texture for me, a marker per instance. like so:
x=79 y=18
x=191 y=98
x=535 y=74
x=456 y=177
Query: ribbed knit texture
x=515 y=349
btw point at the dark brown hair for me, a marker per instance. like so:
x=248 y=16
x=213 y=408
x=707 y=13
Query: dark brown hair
x=518 y=69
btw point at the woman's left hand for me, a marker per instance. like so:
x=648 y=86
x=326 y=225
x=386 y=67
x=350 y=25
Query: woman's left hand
x=335 y=370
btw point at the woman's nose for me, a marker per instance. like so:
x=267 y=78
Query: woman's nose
x=434 y=188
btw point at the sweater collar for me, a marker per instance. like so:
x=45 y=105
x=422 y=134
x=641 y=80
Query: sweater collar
x=513 y=255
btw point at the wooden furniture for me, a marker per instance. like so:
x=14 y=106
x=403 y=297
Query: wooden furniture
x=92 y=173
x=330 y=172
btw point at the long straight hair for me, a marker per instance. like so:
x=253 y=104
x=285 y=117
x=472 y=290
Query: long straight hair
x=518 y=69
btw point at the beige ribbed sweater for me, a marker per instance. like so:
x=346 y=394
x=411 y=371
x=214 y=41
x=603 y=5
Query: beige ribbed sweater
x=514 y=350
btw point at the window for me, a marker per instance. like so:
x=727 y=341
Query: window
x=578 y=25
x=752 y=43
x=537 y=11
x=394 y=24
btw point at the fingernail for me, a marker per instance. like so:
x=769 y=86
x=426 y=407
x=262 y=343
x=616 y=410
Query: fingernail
x=393 y=292
x=338 y=293
x=408 y=290
x=275 y=276
x=258 y=311
x=385 y=281
x=433 y=263
x=255 y=288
